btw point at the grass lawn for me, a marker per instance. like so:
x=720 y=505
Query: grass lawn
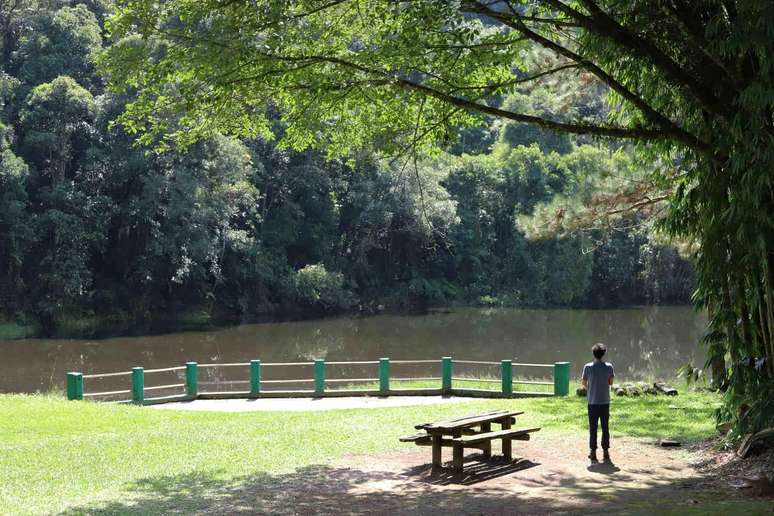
x=57 y=455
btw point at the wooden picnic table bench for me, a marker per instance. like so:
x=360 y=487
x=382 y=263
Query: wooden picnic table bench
x=473 y=431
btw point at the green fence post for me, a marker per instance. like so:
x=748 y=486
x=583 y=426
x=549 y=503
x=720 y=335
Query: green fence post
x=446 y=375
x=255 y=377
x=192 y=379
x=561 y=378
x=506 y=368
x=74 y=386
x=319 y=376
x=138 y=385
x=384 y=376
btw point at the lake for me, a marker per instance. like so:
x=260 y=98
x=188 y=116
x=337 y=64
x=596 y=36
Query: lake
x=643 y=342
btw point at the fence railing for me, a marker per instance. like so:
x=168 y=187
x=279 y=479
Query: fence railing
x=382 y=384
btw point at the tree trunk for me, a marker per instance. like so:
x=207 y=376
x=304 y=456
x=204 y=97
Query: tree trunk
x=718 y=365
x=747 y=334
x=768 y=274
x=731 y=333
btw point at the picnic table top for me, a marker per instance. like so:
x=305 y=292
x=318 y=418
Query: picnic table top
x=468 y=421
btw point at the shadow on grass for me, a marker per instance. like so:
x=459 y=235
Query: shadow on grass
x=309 y=490
x=518 y=488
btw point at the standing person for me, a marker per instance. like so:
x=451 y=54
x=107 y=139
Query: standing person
x=597 y=379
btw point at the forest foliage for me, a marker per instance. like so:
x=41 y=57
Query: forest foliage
x=94 y=225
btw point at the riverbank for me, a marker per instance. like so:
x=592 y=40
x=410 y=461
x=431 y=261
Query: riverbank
x=73 y=457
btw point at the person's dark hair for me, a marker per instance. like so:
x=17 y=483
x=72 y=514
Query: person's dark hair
x=599 y=350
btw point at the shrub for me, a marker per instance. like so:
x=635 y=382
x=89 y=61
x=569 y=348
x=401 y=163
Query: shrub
x=315 y=286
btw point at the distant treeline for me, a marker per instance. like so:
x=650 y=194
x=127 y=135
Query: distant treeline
x=93 y=226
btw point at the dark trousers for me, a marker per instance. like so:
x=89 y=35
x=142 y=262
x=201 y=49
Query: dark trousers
x=599 y=413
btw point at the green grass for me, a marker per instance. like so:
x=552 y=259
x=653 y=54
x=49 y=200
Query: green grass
x=56 y=454
x=493 y=384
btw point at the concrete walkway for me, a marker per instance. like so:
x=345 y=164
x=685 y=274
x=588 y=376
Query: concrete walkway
x=306 y=404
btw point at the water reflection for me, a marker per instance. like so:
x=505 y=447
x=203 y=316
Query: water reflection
x=643 y=342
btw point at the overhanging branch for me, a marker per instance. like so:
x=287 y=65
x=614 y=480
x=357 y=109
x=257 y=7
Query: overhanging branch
x=677 y=133
x=641 y=133
x=603 y=24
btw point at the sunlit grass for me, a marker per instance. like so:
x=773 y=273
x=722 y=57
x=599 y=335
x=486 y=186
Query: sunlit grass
x=56 y=454
x=477 y=383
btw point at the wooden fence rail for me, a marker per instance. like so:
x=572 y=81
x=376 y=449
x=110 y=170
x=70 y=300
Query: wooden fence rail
x=384 y=379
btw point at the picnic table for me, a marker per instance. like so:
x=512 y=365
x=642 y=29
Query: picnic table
x=473 y=431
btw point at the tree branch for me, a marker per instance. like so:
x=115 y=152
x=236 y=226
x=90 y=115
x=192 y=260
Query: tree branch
x=650 y=113
x=636 y=206
x=696 y=37
x=521 y=80
x=595 y=130
x=603 y=24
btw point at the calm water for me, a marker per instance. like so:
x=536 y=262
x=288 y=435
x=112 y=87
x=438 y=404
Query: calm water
x=643 y=342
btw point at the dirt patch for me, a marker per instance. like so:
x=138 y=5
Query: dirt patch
x=725 y=470
x=549 y=475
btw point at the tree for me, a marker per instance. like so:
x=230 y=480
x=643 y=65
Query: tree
x=61 y=42
x=67 y=233
x=11 y=22
x=69 y=212
x=15 y=230
x=692 y=80
x=56 y=119
x=316 y=286
x=395 y=229
x=183 y=217
x=494 y=258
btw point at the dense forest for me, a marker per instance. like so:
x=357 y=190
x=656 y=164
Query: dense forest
x=94 y=226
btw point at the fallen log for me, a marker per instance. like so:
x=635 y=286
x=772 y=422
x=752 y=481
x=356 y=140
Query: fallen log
x=752 y=440
x=633 y=390
x=637 y=389
x=760 y=485
x=669 y=443
x=649 y=389
x=665 y=389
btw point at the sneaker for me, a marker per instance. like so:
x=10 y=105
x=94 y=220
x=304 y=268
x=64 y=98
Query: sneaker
x=593 y=456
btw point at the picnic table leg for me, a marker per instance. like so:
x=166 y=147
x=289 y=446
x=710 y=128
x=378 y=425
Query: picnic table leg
x=458 y=453
x=487 y=446
x=507 y=453
x=436 y=452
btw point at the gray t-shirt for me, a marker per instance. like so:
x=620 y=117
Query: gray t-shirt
x=597 y=374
